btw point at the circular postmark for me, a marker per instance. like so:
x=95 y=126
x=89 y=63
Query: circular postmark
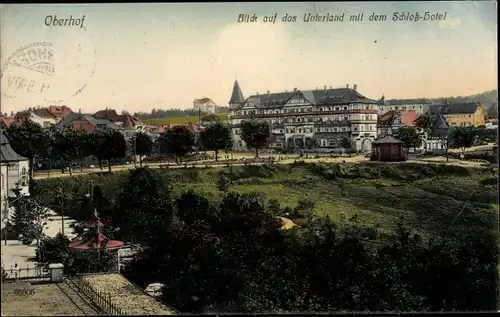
x=50 y=71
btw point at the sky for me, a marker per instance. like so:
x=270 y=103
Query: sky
x=137 y=57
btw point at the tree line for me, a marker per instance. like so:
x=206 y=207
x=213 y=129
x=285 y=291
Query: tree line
x=231 y=254
x=66 y=145
x=166 y=113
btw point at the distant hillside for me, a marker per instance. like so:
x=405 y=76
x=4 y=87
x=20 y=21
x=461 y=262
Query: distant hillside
x=489 y=99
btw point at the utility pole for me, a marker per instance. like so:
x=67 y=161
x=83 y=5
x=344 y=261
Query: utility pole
x=134 y=146
x=61 y=204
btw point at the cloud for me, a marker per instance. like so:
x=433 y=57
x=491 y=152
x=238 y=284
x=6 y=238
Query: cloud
x=451 y=24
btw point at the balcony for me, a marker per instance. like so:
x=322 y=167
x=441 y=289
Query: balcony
x=305 y=113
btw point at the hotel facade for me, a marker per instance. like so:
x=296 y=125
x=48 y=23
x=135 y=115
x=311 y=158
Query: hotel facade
x=308 y=119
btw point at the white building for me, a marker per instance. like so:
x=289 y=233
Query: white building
x=491 y=124
x=42 y=116
x=13 y=173
x=420 y=106
x=206 y=105
x=309 y=119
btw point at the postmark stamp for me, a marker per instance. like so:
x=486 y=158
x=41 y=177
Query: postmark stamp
x=48 y=72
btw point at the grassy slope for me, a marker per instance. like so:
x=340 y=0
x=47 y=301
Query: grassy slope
x=428 y=196
x=430 y=204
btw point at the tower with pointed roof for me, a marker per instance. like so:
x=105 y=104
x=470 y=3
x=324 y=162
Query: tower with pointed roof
x=237 y=98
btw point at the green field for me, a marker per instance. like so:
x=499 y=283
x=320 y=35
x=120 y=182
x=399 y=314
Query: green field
x=431 y=198
x=180 y=120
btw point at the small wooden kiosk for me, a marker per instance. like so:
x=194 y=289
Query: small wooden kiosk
x=388 y=149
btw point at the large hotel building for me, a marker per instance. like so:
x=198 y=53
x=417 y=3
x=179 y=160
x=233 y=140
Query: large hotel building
x=303 y=119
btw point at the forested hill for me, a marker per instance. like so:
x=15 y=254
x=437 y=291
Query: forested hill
x=489 y=99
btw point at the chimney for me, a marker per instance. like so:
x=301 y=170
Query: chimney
x=324 y=87
x=257 y=93
x=294 y=89
x=347 y=86
x=354 y=87
x=286 y=90
x=268 y=92
x=330 y=87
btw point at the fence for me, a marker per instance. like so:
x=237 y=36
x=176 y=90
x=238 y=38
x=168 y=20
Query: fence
x=101 y=299
x=36 y=271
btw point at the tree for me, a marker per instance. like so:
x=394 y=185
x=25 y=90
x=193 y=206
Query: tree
x=410 y=137
x=28 y=219
x=66 y=146
x=143 y=145
x=255 y=134
x=27 y=139
x=143 y=209
x=346 y=144
x=57 y=250
x=216 y=137
x=95 y=142
x=177 y=142
x=424 y=121
x=210 y=118
x=223 y=181
x=463 y=137
x=108 y=145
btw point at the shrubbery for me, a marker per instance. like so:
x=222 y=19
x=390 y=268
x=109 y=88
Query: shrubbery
x=193 y=244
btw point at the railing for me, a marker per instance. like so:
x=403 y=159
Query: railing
x=101 y=299
x=36 y=271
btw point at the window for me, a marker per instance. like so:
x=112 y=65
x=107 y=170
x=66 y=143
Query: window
x=24 y=177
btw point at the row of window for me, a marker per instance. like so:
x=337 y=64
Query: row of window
x=459 y=116
x=401 y=108
x=13 y=168
x=23 y=177
x=461 y=124
x=303 y=110
x=320 y=119
x=361 y=128
x=320 y=143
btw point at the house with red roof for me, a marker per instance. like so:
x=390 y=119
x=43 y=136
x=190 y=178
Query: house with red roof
x=6 y=121
x=389 y=122
x=127 y=123
x=59 y=111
